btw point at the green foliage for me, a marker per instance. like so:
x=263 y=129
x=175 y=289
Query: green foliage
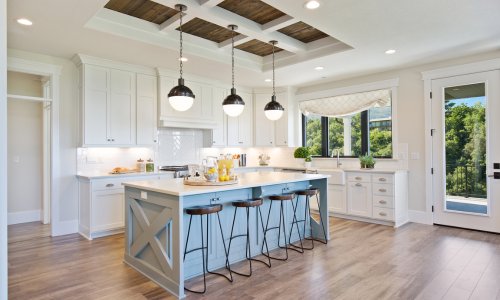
x=367 y=160
x=301 y=152
x=309 y=159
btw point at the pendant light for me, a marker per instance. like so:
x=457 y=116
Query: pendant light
x=233 y=105
x=181 y=97
x=273 y=109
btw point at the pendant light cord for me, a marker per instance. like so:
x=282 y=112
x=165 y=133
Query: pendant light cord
x=274 y=92
x=232 y=53
x=180 y=29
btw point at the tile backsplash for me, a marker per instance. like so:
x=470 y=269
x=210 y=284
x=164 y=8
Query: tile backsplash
x=177 y=146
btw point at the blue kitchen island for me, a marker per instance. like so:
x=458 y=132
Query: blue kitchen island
x=156 y=223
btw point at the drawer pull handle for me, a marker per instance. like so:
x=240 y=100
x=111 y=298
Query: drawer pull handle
x=383 y=214
x=383 y=201
x=358 y=178
x=382 y=179
x=109 y=185
x=358 y=184
x=383 y=190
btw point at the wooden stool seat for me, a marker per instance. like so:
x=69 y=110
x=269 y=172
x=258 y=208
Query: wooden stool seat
x=309 y=192
x=204 y=209
x=248 y=203
x=282 y=197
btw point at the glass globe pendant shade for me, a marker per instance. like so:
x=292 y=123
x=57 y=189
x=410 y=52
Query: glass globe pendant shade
x=233 y=105
x=273 y=109
x=181 y=97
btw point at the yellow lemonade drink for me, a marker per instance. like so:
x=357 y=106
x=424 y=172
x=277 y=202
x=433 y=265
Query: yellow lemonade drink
x=222 y=168
x=230 y=167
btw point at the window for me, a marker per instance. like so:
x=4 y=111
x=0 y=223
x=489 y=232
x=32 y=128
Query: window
x=369 y=131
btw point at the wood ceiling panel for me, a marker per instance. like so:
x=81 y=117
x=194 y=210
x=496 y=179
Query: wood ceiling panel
x=254 y=10
x=258 y=48
x=303 y=32
x=207 y=30
x=143 y=9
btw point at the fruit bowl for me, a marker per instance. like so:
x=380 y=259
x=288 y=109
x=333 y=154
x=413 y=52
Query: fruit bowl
x=211 y=176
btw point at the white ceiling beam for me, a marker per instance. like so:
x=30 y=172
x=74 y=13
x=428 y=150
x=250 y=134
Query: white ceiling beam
x=238 y=40
x=172 y=23
x=209 y=3
x=279 y=23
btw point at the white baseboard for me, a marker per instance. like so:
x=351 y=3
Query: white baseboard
x=417 y=216
x=23 y=217
x=68 y=227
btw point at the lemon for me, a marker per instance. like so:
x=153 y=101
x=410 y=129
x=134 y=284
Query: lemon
x=221 y=178
x=226 y=178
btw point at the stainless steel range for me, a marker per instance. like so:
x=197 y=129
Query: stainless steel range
x=180 y=171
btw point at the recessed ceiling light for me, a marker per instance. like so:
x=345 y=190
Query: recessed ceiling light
x=312 y=4
x=24 y=21
x=318 y=68
x=390 y=51
x=183 y=59
x=268 y=80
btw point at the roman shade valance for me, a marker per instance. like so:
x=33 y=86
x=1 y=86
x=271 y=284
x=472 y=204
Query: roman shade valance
x=345 y=105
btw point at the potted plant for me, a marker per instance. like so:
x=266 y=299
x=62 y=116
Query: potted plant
x=308 y=161
x=362 y=161
x=370 y=162
x=300 y=155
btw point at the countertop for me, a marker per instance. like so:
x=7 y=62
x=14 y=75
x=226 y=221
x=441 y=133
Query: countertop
x=177 y=188
x=385 y=171
x=106 y=175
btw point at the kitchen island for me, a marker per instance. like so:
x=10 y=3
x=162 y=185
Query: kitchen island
x=156 y=223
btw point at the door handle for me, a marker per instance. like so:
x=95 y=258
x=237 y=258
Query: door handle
x=109 y=185
x=382 y=179
x=358 y=177
x=383 y=190
x=383 y=201
x=358 y=184
x=383 y=214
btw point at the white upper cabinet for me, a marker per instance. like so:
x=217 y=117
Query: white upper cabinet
x=146 y=109
x=239 y=129
x=118 y=103
x=264 y=128
x=217 y=137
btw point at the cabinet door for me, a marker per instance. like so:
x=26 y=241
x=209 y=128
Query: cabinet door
x=96 y=105
x=219 y=135
x=123 y=108
x=359 y=199
x=245 y=131
x=337 y=199
x=108 y=210
x=264 y=128
x=146 y=109
x=233 y=130
x=281 y=125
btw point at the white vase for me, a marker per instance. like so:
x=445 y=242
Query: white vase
x=300 y=161
x=308 y=164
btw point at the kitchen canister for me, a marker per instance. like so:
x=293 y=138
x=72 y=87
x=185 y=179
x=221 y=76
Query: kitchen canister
x=141 y=165
x=150 y=166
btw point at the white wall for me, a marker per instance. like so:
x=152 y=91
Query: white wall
x=24 y=140
x=24 y=84
x=68 y=131
x=410 y=112
x=3 y=150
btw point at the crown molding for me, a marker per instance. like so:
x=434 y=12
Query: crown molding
x=32 y=67
x=79 y=59
x=482 y=66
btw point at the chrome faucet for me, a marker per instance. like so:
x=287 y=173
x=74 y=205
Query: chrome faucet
x=338 y=157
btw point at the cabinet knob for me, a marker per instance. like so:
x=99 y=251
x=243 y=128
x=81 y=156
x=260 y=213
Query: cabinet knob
x=285 y=142
x=214 y=142
x=241 y=142
x=155 y=141
x=358 y=184
x=109 y=140
x=383 y=214
x=109 y=185
x=358 y=178
x=383 y=201
x=383 y=190
x=112 y=140
x=271 y=142
x=382 y=179
x=218 y=199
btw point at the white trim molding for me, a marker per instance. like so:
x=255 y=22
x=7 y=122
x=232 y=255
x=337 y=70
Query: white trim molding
x=482 y=66
x=38 y=68
x=23 y=217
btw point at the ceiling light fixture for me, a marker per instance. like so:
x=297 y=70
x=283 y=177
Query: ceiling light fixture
x=181 y=97
x=390 y=51
x=183 y=59
x=273 y=109
x=24 y=21
x=318 y=68
x=268 y=80
x=313 y=4
x=233 y=105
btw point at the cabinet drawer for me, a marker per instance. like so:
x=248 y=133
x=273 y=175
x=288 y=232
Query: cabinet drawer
x=116 y=183
x=383 y=201
x=359 y=177
x=383 y=189
x=383 y=178
x=382 y=213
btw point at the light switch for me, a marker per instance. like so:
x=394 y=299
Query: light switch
x=16 y=159
x=415 y=155
x=144 y=195
x=402 y=155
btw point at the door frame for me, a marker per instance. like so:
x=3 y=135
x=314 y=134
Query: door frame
x=427 y=77
x=53 y=72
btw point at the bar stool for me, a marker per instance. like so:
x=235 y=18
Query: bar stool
x=281 y=198
x=248 y=204
x=308 y=193
x=205 y=210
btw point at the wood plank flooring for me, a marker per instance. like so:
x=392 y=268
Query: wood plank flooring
x=362 y=261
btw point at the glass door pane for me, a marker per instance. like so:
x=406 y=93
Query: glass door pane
x=465 y=144
x=313 y=134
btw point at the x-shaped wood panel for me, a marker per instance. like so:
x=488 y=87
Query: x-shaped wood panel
x=148 y=236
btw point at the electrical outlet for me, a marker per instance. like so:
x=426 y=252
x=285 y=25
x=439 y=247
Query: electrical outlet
x=144 y=195
x=101 y=161
x=415 y=155
x=91 y=160
x=16 y=159
x=401 y=156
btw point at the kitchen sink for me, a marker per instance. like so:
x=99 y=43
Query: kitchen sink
x=337 y=175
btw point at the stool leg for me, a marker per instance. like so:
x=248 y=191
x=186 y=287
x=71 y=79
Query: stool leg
x=231 y=237
x=202 y=256
x=264 y=241
x=282 y=213
x=225 y=252
x=296 y=222
x=279 y=234
x=306 y=216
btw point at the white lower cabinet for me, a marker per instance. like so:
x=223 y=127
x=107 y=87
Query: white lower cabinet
x=359 y=199
x=337 y=199
x=108 y=210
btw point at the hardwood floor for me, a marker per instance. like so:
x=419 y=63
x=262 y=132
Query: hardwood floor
x=362 y=261
x=27 y=231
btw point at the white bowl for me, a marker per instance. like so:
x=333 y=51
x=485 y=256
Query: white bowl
x=211 y=176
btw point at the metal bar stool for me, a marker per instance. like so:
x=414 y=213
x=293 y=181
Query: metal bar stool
x=308 y=193
x=205 y=210
x=281 y=198
x=248 y=204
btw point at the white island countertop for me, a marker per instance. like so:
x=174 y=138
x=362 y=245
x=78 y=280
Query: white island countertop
x=135 y=174
x=177 y=188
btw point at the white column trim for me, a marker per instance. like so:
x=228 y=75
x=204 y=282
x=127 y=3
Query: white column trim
x=482 y=66
x=3 y=152
x=172 y=23
x=279 y=23
x=238 y=40
x=209 y=3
